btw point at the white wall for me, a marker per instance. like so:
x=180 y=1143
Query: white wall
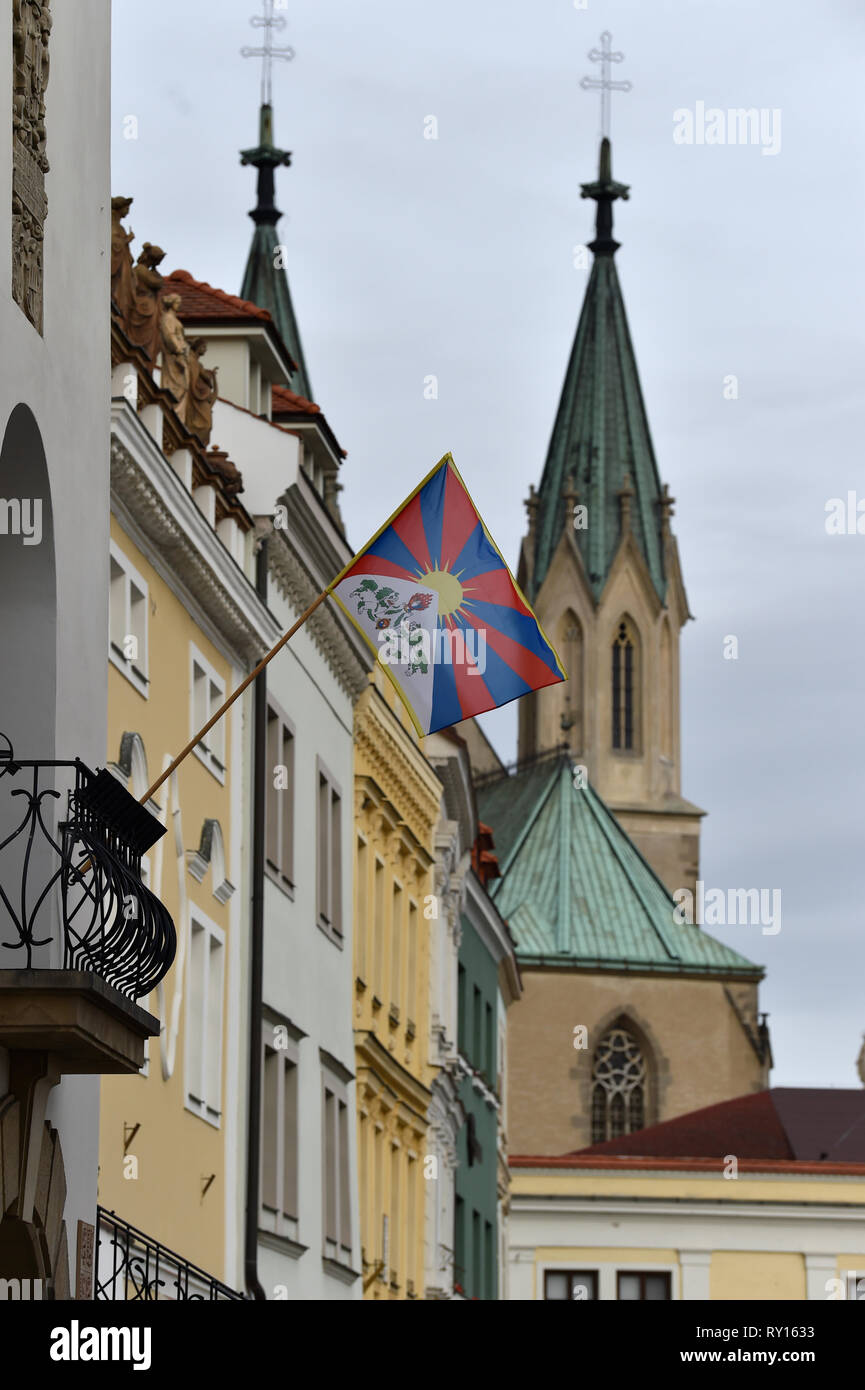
x=63 y=378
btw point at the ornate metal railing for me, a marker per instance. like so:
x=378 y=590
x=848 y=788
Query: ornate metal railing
x=131 y=1267
x=82 y=879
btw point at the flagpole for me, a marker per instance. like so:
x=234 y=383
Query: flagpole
x=231 y=699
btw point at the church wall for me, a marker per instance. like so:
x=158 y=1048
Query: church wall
x=671 y=844
x=549 y=1087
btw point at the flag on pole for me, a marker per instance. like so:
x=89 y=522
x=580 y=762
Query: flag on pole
x=437 y=603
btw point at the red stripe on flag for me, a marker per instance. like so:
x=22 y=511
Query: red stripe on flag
x=409 y=527
x=534 y=672
x=495 y=586
x=376 y=564
x=471 y=689
x=460 y=519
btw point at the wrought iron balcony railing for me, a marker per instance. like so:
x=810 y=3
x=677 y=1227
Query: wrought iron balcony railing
x=131 y=1267
x=80 y=880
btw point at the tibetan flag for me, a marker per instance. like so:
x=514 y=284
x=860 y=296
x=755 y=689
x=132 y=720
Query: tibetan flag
x=439 y=606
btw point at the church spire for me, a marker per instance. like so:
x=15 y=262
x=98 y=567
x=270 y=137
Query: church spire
x=265 y=281
x=601 y=432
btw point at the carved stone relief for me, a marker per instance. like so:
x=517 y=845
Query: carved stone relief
x=31 y=27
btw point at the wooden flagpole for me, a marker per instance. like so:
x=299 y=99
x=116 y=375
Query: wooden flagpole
x=231 y=699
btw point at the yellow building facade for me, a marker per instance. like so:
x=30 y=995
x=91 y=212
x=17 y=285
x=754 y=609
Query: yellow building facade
x=185 y=625
x=632 y=1229
x=397 y=803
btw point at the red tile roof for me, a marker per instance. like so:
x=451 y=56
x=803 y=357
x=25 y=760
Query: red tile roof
x=202 y=301
x=787 y=1123
x=286 y=402
x=748 y=1127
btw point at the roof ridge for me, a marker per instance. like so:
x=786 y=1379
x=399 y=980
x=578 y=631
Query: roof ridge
x=527 y=825
x=235 y=300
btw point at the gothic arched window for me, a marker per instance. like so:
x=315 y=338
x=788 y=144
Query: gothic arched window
x=570 y=646
x=625 y=686
x=619 y=1081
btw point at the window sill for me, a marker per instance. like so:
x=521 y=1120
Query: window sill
x=279 y=881
x=203 y=1112
x=339 y=1269
x=282 y=1245
x=136 y=678
x=334 y=937
x=213 y=765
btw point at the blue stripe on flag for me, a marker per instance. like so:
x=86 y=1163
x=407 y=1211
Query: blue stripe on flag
x=446 y=709
x=521 y=627
x=432 y=510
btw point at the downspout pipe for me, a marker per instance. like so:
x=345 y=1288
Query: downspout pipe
x=256 y=956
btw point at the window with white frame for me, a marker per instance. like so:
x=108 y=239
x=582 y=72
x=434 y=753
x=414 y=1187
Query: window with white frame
x=280 y=797
x=207 y=693
x=206 y=974
x=279 y=1131
x=329 y=855
x=127 y=621
x=336 y=1171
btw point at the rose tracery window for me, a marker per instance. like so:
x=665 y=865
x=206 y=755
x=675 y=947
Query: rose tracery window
x=619 y=1080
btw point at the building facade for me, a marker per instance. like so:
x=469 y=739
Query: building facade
x=759 y=1198
x=185 y=625
x=60 y=1029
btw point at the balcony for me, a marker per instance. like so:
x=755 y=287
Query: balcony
x=131 y=1267
x=81 y=936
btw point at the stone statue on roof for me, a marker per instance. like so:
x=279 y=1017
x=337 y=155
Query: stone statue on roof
x=121 y=259
x=175 y=353
x=202 y=393
x=144 y=312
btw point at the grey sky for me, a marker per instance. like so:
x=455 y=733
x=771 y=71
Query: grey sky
x=409 y=257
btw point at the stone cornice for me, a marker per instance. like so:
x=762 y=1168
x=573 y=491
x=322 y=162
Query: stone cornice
x=344 y=654
x=183 y=545
x=398 y=767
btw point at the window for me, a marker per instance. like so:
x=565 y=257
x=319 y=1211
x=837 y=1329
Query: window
x=378 y=928
x=127 y=624
x=488 y=1290
x=204 y=1019
x=411 y=989
x=411 y=1221
x=570 y=644
x=329 y=856
x=476 y=1059
x=624 y=687
x=280 y=797
x=460 y=1243
x=619 y=1079
x=489 y=1047
x=206 y=695
x=396 y=948
x=396 y=1266
x=641 y=1286
x=461 y=1007
x=361 y=890
x=335 y=1154
x=577 y=1284
x=279 y=1122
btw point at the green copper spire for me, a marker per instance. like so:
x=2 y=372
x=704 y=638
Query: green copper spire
x=265 y=282
x=600 y=452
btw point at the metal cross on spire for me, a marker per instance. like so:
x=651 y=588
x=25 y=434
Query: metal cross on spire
x=268 y=22
x=604 y=84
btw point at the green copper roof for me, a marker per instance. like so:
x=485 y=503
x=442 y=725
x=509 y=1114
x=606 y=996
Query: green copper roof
x=574 y=889
x=265 y=281
x=601 y=433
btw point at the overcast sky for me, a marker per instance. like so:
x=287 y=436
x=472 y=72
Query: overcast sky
x=453 y=257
